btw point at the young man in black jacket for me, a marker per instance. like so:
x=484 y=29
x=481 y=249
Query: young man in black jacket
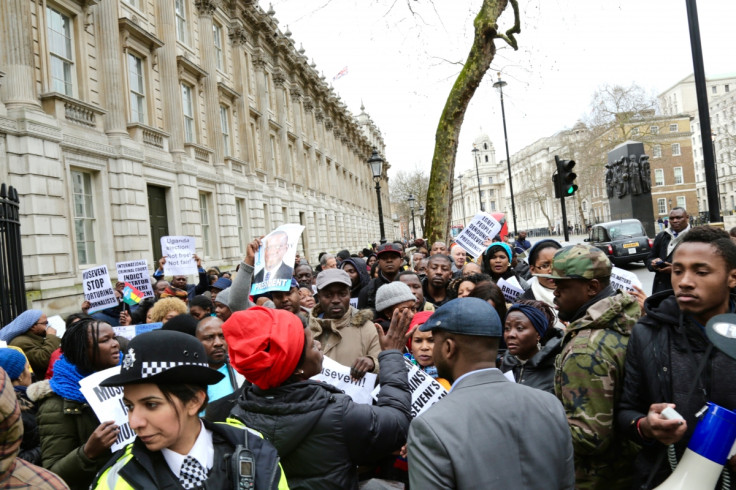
x=660 y=257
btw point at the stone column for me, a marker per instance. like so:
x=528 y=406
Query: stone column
x=279 y=81
x=206 y=8
x=113 y=92
x=170 y=85
x=16 y=49
x=259 y=63
x=240 y=70
x=300 y=166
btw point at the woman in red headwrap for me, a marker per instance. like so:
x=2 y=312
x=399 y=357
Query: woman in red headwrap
x=320 y=433
x=420 y=346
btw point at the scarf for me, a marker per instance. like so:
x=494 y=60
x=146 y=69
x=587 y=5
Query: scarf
x=674 y=240
x=65 y=381
x=541 y=293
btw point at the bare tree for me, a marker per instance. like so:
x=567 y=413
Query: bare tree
x=404 y=183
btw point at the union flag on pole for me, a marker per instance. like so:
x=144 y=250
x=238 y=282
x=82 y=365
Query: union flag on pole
x=341 y=74
x=131 y=295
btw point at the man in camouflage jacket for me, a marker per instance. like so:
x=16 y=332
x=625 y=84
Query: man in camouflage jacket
x=589 y=370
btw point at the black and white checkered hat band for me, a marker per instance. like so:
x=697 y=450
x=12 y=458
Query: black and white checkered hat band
x=149 y=369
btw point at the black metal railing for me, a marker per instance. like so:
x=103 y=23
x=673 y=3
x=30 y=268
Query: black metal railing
x=12 y=282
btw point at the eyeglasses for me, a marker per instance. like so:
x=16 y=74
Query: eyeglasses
x=544 y=267
x=42 y=323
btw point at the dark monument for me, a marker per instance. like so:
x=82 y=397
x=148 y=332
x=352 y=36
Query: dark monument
x=629 y=185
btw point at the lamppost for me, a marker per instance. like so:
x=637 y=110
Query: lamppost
x=500 y=84
x=376 y=163
x=477 y=175
x=462 y=198
x=421 y=218
x=411 y=206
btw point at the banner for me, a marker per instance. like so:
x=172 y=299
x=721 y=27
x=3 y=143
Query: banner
x=274 y=266
x=425 y=390
x=179 y=254
x=511 y=289
x=624 y=280
x=107 y=403
x=98 y=289
x=130 y=331
x=337 y=375
x=473 y=237
x=135 y=272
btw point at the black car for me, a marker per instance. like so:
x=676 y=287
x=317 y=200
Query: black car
x=623 y=241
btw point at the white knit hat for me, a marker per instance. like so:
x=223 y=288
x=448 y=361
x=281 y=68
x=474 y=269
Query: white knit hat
x=392 y=294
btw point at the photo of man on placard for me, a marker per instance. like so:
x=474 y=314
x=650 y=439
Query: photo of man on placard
x=275 y=247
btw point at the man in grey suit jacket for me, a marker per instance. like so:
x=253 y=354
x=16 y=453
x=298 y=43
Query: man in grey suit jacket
x=488 y=432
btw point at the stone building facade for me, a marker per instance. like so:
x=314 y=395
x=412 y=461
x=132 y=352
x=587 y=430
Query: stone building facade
x=124 y=121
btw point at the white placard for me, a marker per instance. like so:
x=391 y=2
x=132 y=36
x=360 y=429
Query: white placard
x=179 y=254
x=274 y=265
x=509 y=375
x=338 y=375
x=58 y=324
x=107 y=403
x=130 y=331
x=98 y=289
x=624 y=280
x=511 y=289
x=354 y=302
x=425 y=390
x=135 y=272
x=473 y=237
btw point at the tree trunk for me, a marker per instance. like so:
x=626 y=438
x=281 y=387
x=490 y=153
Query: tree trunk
x=439 y=194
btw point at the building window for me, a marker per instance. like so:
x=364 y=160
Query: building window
x=181 y=21
x=205 y=216
x=657 y=151
x=187 y=107
x=482 y=194
x=493 y=206
x=678 y=175
x=137 y=90
x=225 y=125
x=673 y=128
x=490 y=180
x=662 y=205
x=84 y=217
x=654 y=129
x=60 y=51
x=217 y=32
x=658 y=176
x=727 y=88
x=486 y=158
x=676 y=150
x=681 y=202
x=714 y=89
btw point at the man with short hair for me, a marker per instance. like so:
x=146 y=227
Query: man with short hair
x=448 y=445
x=390 y=260
x=303 y=275
x=438 y=248
x=416 y=257
x=289 y=300
x=589 y=370
x=181 y=282
x=411 y=279
x=421 y=268
x=439 y=274
x=209 y=333
x=458 y=255
x=159 y=287
x=660 y=256
x=521 y=244
x=670 y=362
x=347 y=334
x=327 y=261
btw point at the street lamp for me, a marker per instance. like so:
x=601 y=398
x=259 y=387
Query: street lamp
x=477 y=175
x=411 y=206
x=376 y=163
x=462 y=199
x=500 y=84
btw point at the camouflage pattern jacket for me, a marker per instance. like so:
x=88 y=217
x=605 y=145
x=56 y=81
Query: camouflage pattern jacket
x=589 y=381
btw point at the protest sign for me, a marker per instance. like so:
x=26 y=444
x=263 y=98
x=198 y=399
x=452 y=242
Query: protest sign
x=425 y=390
x=511 y=289
x=473 y=237
x=97 y=289
x=338 y=375
x=354 y=302
x=274 y=266
x=58 y=324
x=135 y=272
x=130 y=331
x=179 y=253
x=624 y=280
x=107 y=403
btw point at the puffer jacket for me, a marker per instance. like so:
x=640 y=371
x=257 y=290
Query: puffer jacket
x=321 y=434
x=64 y=426
x=538 y=371
x=660 y=370
x=348 y=338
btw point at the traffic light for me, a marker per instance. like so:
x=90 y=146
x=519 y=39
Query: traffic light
x=556 y=184
x=566 y=177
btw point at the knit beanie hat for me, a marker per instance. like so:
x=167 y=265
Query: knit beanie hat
x=392 y=294
x=13 y=362
x=224 y=297
x=182 y=323
x=20 y=325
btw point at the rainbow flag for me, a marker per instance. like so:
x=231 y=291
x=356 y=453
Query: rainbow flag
x=131 y=295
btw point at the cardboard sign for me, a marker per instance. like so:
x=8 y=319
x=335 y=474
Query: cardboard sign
x=511 y=289
x=107 y=403
x=624 y=280
x=425 y=390
x=179 y=253
x=135 y=272
x=97 y=289
x=274 y=265
x=473 y=237
x=338 y=375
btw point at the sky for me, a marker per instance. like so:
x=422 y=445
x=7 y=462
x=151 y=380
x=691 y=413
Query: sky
x=402 y=64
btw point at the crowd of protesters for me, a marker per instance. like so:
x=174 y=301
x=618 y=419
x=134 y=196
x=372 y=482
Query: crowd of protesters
x=561 y=386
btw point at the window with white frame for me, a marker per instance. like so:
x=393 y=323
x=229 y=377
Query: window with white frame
x=61 y=51
x=681 y=202
x=657 y=151
x=678 y=175
x=225 y=125
x=493 y=205
x=673 y=128
x=137 y=89
x=676 y=150
x=714 y=89
x=658 y=176
x=662 y=205
x=654 y=129
x=84 y=217
x=217 y=34
x=180 y=10
x=188 y=108
x=204 y=212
